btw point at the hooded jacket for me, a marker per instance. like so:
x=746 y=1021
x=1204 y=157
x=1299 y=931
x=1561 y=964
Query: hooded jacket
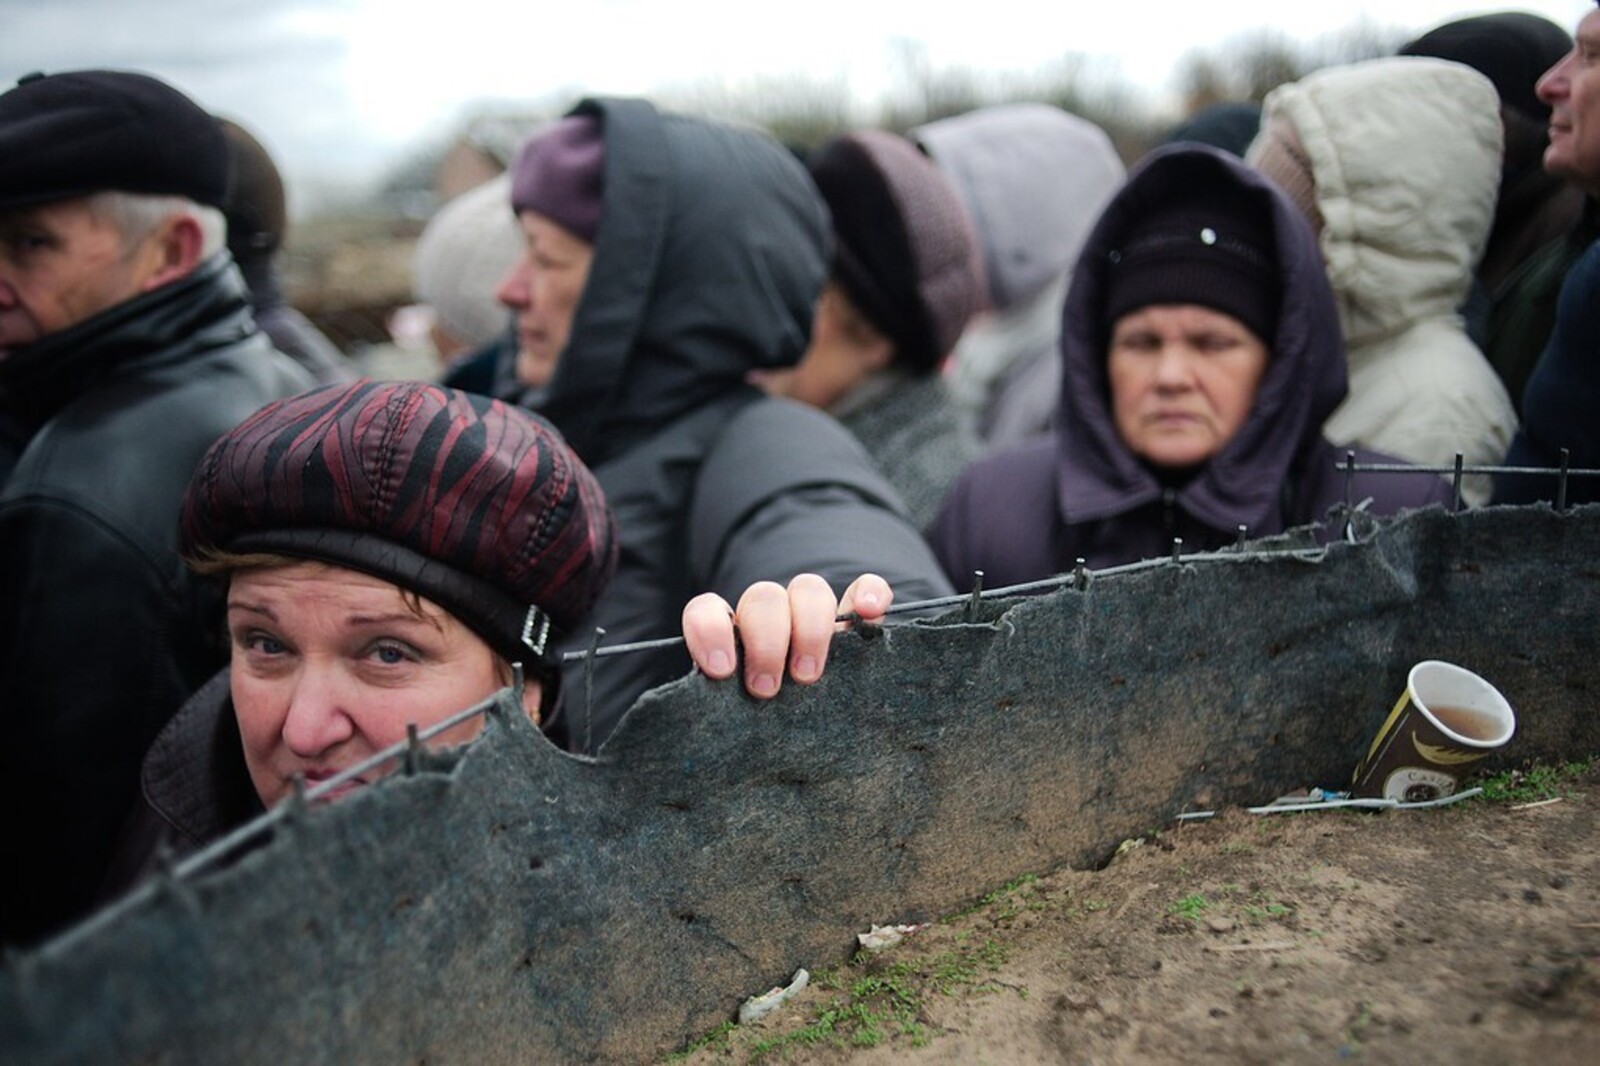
x=1080 y=493
x=1033 y=178
x=103 y=633
x=1562 y=397
x=711 y=252
x=1405 y=156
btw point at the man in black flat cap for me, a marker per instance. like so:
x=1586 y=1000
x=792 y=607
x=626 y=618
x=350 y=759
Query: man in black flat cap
x=126 y=348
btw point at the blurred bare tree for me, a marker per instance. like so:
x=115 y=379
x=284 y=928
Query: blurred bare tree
x=802 y=111
x=799 y=110
x=1250 y=65
x=920 y=92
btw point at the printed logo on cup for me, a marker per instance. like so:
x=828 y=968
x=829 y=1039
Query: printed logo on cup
x=1447 y=719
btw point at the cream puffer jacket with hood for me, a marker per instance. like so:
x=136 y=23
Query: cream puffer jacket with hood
x=1405 y=155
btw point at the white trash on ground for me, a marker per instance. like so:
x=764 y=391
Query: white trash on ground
x=757 y=1007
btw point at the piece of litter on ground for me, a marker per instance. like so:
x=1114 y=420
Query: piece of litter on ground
x=1276 y=945
x=1195 y=816
x=1337 y=801
x=881 y=937
x=757 y=1007
x=1535 y=803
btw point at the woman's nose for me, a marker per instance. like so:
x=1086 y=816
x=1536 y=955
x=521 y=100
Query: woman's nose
x=318 y=718
x=1172 y=366
x=513 y=290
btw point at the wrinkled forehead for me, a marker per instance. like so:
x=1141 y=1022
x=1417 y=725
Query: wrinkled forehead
x=1588 y=31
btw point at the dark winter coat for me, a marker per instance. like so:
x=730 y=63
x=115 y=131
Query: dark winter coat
x=1536 y=230
x=194 y=789
x=711 y=252
x=103 y=633
x=291 y=332
x=1030 y=513
x=1559 y=406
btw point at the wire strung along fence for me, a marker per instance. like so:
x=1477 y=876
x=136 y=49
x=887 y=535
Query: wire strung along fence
x=509 y=902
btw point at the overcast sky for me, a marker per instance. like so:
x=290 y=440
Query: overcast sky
x=341 y=89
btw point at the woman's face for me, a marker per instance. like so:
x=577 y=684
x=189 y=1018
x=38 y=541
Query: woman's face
x=845 y=351
x=330 y=665
x=543 y=287
x=1183 y=380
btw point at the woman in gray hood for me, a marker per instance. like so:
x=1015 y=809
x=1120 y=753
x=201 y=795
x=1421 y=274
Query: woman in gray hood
x=667 y=258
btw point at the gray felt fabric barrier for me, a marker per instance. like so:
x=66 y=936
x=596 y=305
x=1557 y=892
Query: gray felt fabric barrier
x=511 y=903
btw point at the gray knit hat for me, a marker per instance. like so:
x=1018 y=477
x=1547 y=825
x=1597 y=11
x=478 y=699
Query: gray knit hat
x=464 y=251
x=906 y=255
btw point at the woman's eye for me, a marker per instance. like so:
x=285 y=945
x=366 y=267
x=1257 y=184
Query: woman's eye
x=391 y=654
x=262 y=643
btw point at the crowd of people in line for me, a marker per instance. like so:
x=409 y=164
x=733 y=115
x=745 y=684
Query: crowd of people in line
x=700 y=384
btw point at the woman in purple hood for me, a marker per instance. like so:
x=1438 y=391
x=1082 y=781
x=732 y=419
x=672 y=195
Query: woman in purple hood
x=1201 y=355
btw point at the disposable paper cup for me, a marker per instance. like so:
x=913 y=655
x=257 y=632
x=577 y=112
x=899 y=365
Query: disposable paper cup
x=1447 y=719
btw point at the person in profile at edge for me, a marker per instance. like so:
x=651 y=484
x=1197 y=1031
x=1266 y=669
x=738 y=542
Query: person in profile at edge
x=126 y=347
x=1563 y=391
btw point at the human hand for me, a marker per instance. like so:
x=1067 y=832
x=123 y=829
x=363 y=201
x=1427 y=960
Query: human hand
x=777 y=626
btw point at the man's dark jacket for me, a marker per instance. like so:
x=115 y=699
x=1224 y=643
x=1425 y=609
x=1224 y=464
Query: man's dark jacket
x=1560 y=402
x=103 y=632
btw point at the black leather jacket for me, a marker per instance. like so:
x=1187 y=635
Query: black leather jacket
x=103 y=633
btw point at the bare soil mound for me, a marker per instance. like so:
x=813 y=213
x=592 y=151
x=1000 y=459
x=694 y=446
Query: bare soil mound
x=1465 y=934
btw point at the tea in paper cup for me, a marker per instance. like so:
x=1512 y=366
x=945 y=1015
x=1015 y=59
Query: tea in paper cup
x=1447 y=719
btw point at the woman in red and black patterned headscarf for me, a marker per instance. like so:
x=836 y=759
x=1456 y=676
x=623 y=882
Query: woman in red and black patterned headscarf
x=389 y=550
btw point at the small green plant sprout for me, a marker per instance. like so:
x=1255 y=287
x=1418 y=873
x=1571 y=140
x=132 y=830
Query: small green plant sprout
x=1355 y=1031
x=1191 y=906
x=1012 y=899
x=1263 y=908
x=880 y=1002
x=1536 y=783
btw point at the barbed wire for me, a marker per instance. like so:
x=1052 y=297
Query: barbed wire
x=408 y=752
x=1459 y=469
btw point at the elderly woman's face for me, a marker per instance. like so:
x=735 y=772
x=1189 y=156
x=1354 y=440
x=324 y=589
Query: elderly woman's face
x=543 y=287
x=1183 y=380
x=330 y=665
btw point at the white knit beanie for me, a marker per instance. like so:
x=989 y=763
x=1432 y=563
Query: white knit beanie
x=463 y=252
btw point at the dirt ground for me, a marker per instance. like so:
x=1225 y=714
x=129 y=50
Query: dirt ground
x=1466 y=934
